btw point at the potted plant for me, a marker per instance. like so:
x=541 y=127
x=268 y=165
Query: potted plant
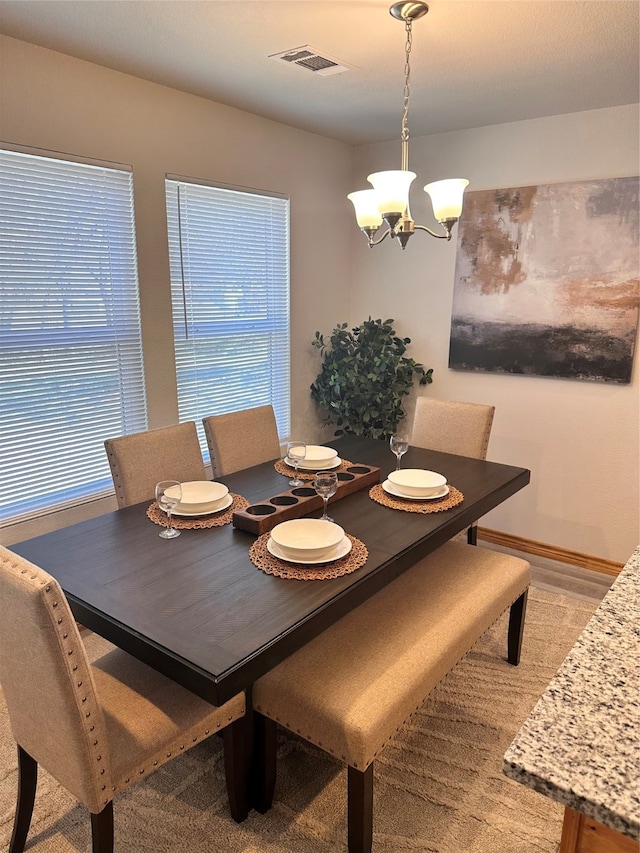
x=364 y=377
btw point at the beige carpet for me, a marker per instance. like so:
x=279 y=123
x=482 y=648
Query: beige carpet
x=438 y=784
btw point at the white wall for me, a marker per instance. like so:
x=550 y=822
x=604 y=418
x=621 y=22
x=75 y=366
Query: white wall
x=52 y=101
x=580 y=439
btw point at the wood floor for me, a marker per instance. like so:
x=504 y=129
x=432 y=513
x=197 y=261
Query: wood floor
x=563 y=578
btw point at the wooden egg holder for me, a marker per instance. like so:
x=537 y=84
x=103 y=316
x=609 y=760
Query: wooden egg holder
x=302 y=500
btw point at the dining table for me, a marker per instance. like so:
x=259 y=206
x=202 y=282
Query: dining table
x=199 y=610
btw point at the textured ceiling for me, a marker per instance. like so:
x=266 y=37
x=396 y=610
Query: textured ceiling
x=473 y=63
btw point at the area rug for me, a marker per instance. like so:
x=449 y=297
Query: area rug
x=438 y=785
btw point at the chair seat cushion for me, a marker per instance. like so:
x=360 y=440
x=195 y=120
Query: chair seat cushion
x=149 y=718
x=352 y=687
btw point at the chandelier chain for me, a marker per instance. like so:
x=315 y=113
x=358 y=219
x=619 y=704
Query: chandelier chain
x=407 y=76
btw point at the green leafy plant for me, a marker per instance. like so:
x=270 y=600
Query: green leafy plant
x=364 y=377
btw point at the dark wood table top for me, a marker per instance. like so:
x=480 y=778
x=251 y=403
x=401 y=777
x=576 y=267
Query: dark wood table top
x=196 y=607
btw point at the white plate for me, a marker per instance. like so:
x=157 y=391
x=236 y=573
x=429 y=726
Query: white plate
x=315 y=466
x=193 y=514
x=391 y=490
x=341 y=550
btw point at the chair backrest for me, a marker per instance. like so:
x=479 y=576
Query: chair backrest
x=452 y=427
x=140 y=460
x=239 y=440
x=47 y=682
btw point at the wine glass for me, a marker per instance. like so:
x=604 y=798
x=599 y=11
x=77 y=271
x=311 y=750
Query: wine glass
x=399 y=444
x=326 y=485
x=168 y=496
x=296 y=451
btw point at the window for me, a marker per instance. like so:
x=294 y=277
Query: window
x=229 y=256
x=71 y=371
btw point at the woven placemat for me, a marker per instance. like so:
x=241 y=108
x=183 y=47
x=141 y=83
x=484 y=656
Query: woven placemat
x=455 y=497
x=271 y=565
x=289 y=471
x=182 y=523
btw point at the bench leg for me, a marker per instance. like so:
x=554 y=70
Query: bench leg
x=264 y=762
x=360 y=809
x=516 y=628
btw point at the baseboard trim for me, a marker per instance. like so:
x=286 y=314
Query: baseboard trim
x=551 y=552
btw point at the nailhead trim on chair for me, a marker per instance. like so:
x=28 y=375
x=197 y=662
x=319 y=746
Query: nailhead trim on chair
x=63 y=636
x=117 y=482
x=177 y=747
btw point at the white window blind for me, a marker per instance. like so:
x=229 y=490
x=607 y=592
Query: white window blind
x=71 y=371
x=229 y=256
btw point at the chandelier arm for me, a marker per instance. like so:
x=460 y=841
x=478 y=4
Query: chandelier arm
x=445 y=236
x=373 y=242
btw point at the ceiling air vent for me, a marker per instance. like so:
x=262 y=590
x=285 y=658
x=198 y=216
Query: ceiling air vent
x=309 y=58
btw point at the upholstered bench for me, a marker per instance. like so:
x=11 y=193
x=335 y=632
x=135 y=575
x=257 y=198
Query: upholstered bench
x=350 y=689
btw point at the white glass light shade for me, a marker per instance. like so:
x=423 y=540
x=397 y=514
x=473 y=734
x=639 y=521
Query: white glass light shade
x=446 y=197
x=366 y=206
x=392 y=190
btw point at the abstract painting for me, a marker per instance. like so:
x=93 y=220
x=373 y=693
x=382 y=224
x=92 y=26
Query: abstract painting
x=547 y=281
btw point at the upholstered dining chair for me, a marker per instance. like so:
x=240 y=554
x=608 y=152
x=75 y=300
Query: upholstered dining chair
x=239 y=440
x=451 y=426
x=140 y=460
x=95 y=727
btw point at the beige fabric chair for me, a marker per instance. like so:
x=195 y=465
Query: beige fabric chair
x=140 y=460
x=239 y=440
x=96 y=728
x=453 y=427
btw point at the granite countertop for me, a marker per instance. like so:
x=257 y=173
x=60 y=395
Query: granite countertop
x=581 y=744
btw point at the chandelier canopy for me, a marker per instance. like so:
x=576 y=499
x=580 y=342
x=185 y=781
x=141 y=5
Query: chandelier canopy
x=389 y=198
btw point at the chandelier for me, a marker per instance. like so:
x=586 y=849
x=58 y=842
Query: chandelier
x=389 y=198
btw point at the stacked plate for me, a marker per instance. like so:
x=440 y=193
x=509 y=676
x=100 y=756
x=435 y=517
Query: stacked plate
x=308 y=541
x=317 y=458
x=416 y=484
x=201 y=497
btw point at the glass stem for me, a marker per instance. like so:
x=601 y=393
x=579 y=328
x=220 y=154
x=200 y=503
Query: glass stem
x=169 y=518
x=398 y=465
x=326 y=501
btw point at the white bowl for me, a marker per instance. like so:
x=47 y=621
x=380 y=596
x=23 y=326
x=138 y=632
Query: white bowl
x=324 y=465
x=417 y=481
x=307 y=537
x=201 y=495
x=204 y=509
x=318 y=453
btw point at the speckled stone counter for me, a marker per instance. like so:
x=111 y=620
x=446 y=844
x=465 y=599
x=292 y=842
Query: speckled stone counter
x=581 y=744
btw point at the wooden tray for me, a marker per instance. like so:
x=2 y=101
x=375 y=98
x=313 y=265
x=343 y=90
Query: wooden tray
x=300 y=501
